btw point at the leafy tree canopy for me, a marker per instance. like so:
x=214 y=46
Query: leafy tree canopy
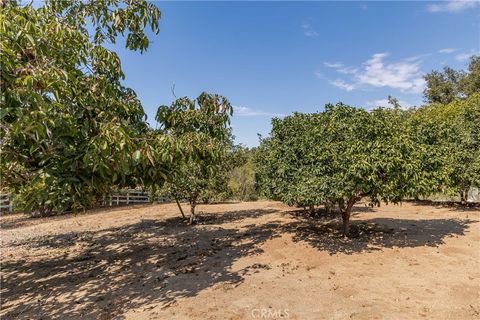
x=69 y=127
x=338 y=157
x=447 y=139
x=447 y=85
x=202 y=122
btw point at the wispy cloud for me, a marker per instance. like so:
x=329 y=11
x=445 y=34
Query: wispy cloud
x=340 y=67
x=404 y=75
x=342 y=84
x=333 y=64
x=447 y=50
x=464 y=56
x=248 y=112
x=453 y=6
x=308 y=30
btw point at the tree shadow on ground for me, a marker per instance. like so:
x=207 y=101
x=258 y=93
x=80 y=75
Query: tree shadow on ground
x=322 y=214
x=103 y=274
x=375 y=234
x=230 y=216
x=18 y=220
x=456 y=205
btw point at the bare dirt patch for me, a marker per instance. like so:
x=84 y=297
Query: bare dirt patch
x=242 y=261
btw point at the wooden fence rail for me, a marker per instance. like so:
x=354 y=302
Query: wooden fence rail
x=132 y=197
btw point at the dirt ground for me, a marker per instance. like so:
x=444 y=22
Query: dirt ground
x=256 y=260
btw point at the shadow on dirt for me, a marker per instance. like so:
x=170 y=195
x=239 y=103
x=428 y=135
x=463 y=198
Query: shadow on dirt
x=18 y=220
x=104 y=274
x=230 y=216
x=322 y=214
x=375 y=234
x=456 y=205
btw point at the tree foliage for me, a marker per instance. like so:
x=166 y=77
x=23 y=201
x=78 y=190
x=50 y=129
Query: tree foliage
x=447 y=85
x=338 y=157
x=242 y=183
x=447 y=143
x=202 y=122
x=69 y=127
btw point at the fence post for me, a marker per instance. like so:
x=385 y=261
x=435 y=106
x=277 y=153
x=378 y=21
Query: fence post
x=10 y=205
x=128 y=197
x=110 y=200
x=118 y=200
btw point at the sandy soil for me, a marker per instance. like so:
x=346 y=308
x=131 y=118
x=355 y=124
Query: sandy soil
x=257 y=260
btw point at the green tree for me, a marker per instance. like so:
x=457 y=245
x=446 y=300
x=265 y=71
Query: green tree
x=204 y=124
x=69 y=128
x=242 y=175
x=470 y=84
x=338 y=157
x=286 y=162
x=447 y=143
x=447 y=85
x=443 y=87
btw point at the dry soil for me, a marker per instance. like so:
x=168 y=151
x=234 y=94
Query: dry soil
x=254 y=260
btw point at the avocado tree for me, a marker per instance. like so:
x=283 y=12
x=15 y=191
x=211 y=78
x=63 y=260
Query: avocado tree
x=202 y=123
x=447 y=141
x=68 y=124
x=338 y=157
x=465 y=155
x=287 y=162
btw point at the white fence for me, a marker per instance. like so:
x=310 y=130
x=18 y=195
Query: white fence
x=131 y=197
x=5 y=203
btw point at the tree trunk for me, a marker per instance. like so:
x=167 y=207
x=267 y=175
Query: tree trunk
x=328 y=208
x=346 y=223
x=180 y=208
x=346 y=216
x=463 y=196
x=192 y=211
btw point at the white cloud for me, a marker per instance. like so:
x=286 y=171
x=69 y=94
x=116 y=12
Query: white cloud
x=453 y=6
x=248 y=112
x=308 y=30
x=462 y=56
x=404 y=75
x=447 y=50
x=466 y=55
x=340 y=67
x=343 y=85
x=386 y=104
x=333 y=64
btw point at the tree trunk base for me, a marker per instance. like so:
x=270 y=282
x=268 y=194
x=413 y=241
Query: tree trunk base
x=346 y=223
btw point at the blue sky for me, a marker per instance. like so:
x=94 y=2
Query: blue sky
x=274 y=58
